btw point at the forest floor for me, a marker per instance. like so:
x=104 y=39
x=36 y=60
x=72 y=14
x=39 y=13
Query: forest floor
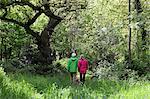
x=29 y=86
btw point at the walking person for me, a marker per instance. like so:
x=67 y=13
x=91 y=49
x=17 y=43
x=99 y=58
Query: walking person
x=82 y=68
x=72 y=67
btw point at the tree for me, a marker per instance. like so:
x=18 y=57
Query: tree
x=25 y=13
x=139 y=10
x=129 y=44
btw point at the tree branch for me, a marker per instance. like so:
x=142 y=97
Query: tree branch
x=21 y=3
x=138 y=6
x=47 y=10
x=52 y=24
x=25 y=26
x=31 y=21
x=12 y=21
x=33 y=33
x=49 y=13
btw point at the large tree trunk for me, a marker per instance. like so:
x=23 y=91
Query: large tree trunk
x=44 y=48
x=44 y=41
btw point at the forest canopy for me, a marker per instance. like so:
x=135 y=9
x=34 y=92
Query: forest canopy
x=110 y=33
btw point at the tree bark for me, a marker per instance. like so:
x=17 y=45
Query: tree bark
x=129 y=39
x=44 y=42
x=139 y=10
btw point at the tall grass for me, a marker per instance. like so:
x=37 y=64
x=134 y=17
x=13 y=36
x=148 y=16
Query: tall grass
x=141 y=90
x=16 y=90
x=29 y=86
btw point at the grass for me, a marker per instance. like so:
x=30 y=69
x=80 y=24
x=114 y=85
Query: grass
x=29 y=86
x=13 y=89
x=137 y=91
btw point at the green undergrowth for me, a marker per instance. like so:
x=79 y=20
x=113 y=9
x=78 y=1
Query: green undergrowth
x=13 y=89
x=30 y=86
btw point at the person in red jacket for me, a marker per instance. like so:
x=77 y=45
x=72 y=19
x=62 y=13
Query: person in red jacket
x=82 y=68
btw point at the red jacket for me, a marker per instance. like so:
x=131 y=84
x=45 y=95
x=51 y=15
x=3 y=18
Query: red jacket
x=82 y=65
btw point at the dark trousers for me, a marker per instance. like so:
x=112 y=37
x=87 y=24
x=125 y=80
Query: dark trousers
x=73 y=76
x=82 y=77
